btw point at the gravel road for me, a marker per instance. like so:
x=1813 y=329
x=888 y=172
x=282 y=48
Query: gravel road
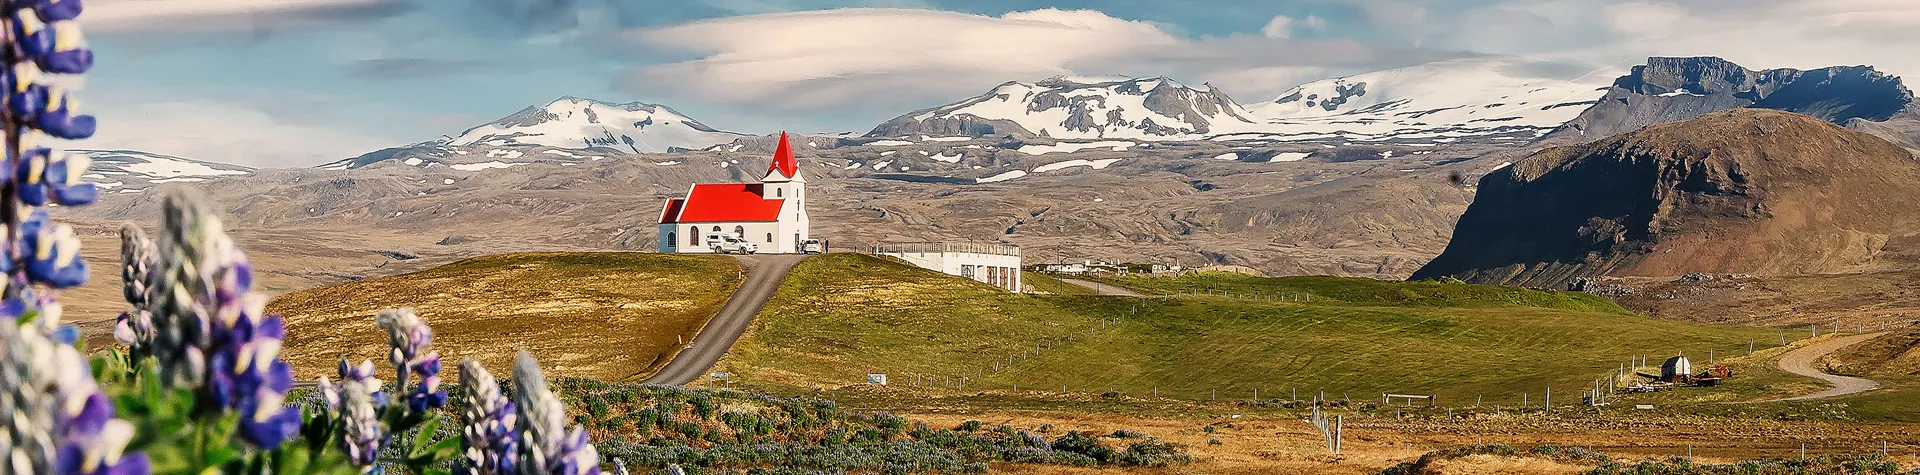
x=1802 y=362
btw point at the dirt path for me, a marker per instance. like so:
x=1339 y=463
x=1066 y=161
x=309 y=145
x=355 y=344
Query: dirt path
x=1801 y=362
x=1103 y=289
x=764 y=274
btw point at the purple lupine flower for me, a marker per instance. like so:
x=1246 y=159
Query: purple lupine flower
x=487 y=438
x=45 y=176
x=362 y=434
x=546 y=448
x=134 y=328
x=60 y=421
x=409 y=339
x=362 y=373
x=52 y=252
x=248 y=377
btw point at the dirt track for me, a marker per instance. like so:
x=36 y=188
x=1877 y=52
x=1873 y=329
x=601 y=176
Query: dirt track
x=1103 y=289
x=764 y=274
x=1801 y=362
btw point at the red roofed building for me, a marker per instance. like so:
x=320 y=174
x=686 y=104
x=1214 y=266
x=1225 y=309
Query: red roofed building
x=771 y=214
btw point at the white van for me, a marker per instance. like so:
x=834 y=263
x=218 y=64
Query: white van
x=730 y=244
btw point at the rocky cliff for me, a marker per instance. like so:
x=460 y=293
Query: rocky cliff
x=1741 y=191
x=1675 y=89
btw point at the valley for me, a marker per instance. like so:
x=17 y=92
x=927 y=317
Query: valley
x=1449 y=230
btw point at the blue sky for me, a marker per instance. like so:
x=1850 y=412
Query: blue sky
x=301 y=82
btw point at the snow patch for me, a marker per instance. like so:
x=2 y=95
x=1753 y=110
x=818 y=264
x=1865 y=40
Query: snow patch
x=1289 y=157
x=948 y=139
x=412 y=161
x=474 y=167
x=1118 y=146
x=504 y=154
x=955 y=158
x=1002 y=177
x=889 y=143
x=1096 y=164
x=1227 y=156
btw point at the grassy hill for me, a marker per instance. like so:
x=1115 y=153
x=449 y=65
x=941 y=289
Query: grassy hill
x=1345 y=291
x=610 y=316
x=841 y=316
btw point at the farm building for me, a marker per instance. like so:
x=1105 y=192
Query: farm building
x=765 y=213
x=994 y=264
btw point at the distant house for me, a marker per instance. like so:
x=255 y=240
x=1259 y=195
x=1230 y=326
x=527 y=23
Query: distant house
x=1065 y=269
x=997 y=265
x=771 y=214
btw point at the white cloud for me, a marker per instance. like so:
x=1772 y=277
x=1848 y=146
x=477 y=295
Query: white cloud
x=1280 y=26
x=224 y=133
x=1315 y=23
x=1759 y=34
x=152 y=15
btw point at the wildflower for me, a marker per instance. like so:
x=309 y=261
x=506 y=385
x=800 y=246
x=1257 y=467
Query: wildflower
x=487 y=441
x=249 y=377
x=181 y=297
x=546 y=448
x=409 y=338
x=362 y=434
x=45 y=176
x=361 y=374
x=61 y=422
x=134 y=328
x=53 y=252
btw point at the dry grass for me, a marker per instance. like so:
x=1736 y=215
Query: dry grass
x=610 y=316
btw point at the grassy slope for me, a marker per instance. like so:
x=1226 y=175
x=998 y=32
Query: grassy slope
x=1367 y=292
x=841 y=316
x=1046 y=284
x=610 y=316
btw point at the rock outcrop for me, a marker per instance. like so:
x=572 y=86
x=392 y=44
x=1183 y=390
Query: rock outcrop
x=1742 y=191
x=1675 y=89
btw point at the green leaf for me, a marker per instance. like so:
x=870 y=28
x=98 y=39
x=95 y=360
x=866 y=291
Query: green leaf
x=423 y=439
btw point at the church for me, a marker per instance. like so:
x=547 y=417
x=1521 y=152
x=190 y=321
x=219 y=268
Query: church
x=771 y=214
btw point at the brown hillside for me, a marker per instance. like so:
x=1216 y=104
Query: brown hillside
x=1741 y=191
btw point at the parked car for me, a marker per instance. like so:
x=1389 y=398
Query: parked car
x=812 y=246
x=730 y=244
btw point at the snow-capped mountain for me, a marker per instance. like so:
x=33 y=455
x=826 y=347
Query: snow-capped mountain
x=1081 y=108
x=129 y=171
x=576 y=123
x=567 y=130
x=1443 y=101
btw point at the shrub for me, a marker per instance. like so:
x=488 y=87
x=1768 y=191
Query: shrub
x=1077 y=443
x=969 y=426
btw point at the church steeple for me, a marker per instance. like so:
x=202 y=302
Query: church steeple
x=784 y=167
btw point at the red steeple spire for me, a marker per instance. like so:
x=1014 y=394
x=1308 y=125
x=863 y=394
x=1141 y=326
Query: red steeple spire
x=783 y=159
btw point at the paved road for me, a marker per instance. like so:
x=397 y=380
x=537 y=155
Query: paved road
x=1801 y=362
x=764 y=274
x=1103 y=289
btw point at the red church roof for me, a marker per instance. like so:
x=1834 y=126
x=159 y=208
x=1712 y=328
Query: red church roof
x=722 y=202
x=783 y=159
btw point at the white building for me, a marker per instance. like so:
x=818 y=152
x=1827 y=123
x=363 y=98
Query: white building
x=997 y=265
x=771 y=214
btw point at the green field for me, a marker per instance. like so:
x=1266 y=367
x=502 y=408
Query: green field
x=841 y=316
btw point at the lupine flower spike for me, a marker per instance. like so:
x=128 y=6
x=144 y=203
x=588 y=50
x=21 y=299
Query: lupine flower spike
x=487 y=442
x=410 y=338
x=546 y=448
x=134 y=328
x=363 y=436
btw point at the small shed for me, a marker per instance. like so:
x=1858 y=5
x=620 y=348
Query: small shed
x=1676 y=368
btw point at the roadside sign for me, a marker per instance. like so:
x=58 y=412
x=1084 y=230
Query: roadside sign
x=876 y=379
